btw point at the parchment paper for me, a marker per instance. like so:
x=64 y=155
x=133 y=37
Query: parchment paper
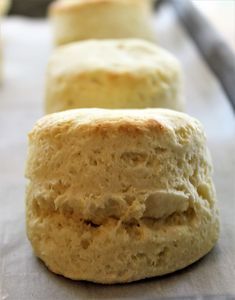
x=27 y=46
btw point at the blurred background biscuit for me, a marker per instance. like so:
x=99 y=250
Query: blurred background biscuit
x=4 y=7
x=113 y=74
x=75 y=20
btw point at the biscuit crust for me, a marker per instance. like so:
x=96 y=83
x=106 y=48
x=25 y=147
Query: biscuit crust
x=119 y=195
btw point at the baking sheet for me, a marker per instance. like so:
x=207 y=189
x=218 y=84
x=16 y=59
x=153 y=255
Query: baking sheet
x=23 y=277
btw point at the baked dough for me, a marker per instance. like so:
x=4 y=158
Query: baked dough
x=75 y=20
x=119 y=195
x=113 y=74
x=4 y=6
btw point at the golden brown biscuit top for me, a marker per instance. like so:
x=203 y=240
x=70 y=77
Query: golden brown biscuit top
x=174 y=125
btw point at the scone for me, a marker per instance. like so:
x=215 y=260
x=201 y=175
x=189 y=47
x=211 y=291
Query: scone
x=4 y=6
x=119 y=195
x=75 y=20
x=113 y=74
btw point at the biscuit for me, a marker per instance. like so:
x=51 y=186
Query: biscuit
x=113 y=74
x=4 y=7
x=116 y=196
x=77 y=20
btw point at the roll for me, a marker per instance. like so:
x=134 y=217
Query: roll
x=113 y=74
x=4 y=7
x=75 y=20
x=116 y=196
